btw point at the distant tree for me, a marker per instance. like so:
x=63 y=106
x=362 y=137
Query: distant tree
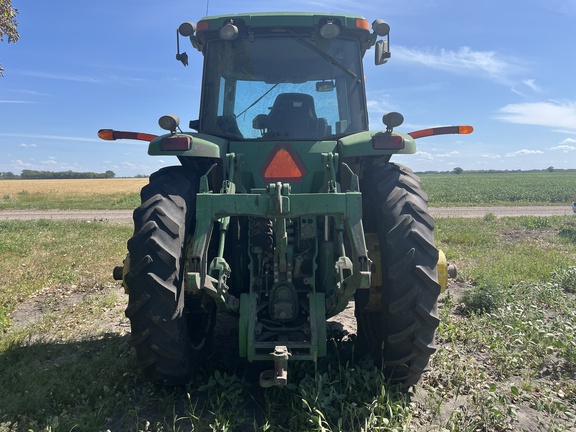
x=8 y=175
x=33 y=174
x=8 y=24
x=457 y=170
x=550 y=169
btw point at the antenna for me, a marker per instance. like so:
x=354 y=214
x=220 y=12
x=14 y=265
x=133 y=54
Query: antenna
x=207 y=4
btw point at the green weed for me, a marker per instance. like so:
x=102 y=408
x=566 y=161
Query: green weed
x=565 y=278
x=485 y=298
x=5 y=320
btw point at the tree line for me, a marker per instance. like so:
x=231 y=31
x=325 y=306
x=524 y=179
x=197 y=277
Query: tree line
x=459 y=170
x=45 y=175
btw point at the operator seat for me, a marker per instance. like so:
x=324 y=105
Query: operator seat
x=293 y=116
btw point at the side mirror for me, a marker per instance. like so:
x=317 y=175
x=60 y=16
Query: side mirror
x=381 y=52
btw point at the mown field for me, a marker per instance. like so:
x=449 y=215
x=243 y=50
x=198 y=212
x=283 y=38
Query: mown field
x=542 y=188
x=506 y=358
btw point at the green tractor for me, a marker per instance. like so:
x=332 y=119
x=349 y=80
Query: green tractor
x=285 y=207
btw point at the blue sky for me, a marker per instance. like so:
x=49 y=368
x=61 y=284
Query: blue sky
x=506 y=67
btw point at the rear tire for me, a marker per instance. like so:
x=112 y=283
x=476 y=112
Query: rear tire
x=171 y=330
x=398 y=323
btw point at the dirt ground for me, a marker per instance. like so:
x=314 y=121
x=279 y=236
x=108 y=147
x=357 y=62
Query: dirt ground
x=125 y=216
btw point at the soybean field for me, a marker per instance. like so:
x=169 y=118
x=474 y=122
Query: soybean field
x=526 y=188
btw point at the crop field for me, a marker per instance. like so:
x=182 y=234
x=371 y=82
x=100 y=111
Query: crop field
x=539 y=188
x=121 y=193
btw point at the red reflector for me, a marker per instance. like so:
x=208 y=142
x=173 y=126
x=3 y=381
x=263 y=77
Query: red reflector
x=283 y=164
x=175 y=143
x=387 y=142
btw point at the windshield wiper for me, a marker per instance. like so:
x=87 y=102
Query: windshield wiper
x=257 y=100
x=324 y=55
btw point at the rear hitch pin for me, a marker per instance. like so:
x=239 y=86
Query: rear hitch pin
x=278 y=376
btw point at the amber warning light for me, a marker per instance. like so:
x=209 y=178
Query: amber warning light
x=112 y=135
x=442 y=131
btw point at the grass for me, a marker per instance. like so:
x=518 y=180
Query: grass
x=504 y=364
x=45 y=254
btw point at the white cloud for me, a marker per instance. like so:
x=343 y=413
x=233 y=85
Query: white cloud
x=425 y=155
x=64 y=77
x=5 y=101
x=568 y=141
x=134 y=166
x=21 y=164
x=553 y=113
x=524 y=152
x=28 y=145
x=465 y=61
x=531 y=83
x=564 y=148
x=491 y=156
x=379 y=106
x=437 y=156
x=51 y=137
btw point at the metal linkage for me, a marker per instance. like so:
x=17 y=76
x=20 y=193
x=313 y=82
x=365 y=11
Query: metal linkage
x=278 y=376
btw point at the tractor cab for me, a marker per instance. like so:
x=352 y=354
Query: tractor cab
x=285 y=76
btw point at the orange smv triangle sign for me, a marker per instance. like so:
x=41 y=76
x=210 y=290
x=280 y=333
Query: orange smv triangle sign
x=283 y=166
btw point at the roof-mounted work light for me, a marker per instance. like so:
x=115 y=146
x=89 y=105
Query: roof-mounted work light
x=187 y=28
x=229 y=31
x=330 y=30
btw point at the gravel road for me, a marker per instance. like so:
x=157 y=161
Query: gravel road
x=125 y=216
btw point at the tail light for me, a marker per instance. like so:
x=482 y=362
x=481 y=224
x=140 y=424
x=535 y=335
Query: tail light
x=175 y=143
x=387 y=141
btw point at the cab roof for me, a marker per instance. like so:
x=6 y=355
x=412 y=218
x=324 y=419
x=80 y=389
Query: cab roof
x=284 y=19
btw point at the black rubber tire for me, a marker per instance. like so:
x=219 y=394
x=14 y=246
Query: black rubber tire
x=399 y=331
x=170 y=329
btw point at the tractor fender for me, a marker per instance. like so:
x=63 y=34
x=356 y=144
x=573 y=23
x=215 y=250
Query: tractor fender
x=188 y=145
x=376 y=143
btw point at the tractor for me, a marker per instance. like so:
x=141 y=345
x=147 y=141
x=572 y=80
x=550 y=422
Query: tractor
x=284 y=207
